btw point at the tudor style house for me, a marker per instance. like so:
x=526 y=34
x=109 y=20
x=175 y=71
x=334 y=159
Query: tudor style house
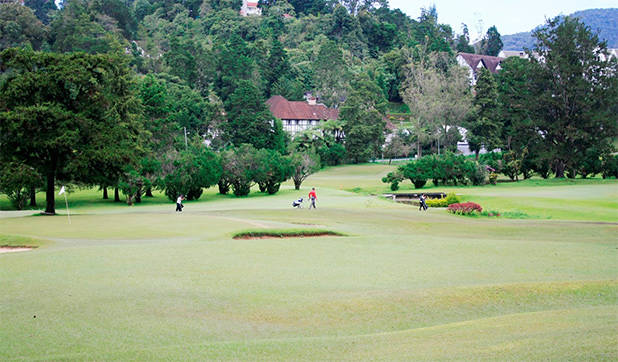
x=474 y=62
x=299 y=116
x=250 y=8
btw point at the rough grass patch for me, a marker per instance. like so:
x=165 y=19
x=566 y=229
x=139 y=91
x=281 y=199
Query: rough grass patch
x=14 y=241
x=259 y=234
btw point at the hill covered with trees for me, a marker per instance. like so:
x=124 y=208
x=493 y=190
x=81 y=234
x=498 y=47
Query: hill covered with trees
x=165 y=94
x=605 y=21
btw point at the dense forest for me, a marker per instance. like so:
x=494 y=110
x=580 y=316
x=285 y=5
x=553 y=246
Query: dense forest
x=170 y=95
x=605 y=21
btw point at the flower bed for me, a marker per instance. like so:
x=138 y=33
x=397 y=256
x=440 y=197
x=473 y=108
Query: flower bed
x=464 y=208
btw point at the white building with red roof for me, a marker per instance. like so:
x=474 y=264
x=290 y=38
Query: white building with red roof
x=299 y=116
x=250 y=8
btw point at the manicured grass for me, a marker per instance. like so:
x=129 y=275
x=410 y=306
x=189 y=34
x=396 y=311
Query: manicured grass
x=145 y=283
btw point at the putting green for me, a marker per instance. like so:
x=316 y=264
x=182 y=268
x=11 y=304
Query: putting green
x=142 y=282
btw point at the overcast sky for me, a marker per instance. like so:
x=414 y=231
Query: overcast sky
x=509 y=16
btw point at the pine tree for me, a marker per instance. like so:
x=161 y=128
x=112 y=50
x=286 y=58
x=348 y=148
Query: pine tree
x=574 y=91
x=484 y=123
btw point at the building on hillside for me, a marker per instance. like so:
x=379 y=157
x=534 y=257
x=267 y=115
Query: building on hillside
x=612 y=54
x=513 y=53
x=299 y=116
x=250 y=8
x=474 y=62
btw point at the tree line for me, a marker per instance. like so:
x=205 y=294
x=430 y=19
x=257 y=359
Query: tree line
x=150 y=94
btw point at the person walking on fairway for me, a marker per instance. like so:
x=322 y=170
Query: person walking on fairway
x=179 y=204
x=312 y=198
x=422 y=204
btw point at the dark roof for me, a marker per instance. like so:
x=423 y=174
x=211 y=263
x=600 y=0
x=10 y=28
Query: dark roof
x=490 y=63
x=284 y=109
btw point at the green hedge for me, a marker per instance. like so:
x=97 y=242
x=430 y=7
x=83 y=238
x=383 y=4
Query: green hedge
x=450 y=199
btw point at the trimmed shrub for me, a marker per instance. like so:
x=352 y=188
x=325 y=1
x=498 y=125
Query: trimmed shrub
x=16 y=180
x=190 y=171
x=493 y=160
x=493 y=178
x=477 y=174
x=394 y=178
x=271 y=169
x=465 y=208
x=417 y=171
x=436 y=202
x=450 y=199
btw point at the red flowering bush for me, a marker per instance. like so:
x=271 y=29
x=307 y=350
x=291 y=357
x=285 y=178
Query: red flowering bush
x=464 y=208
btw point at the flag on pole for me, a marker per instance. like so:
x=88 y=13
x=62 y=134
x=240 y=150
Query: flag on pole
x=62 y=191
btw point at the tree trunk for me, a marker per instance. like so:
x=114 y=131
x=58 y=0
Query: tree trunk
x=297 y=184
x=560 y=166
x=50 y=194
x=116 y=195
x=33 y=196
x=476 y=154
x=105 y=197
x=149 y=192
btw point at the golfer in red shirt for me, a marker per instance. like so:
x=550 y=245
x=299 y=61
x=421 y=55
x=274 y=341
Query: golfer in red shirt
x=312 y=197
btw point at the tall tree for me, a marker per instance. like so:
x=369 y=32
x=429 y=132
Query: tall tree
x=42 y=9
x=463 y=41
x=68 y=116
x=19 y=27
x=575 y=90
x=492 y=42
x=75 y=28
x=234 y=64
x=518 y=135
x=330 y=74
x=250 y=121
x=438 y=94
x=277 y=66
x=484 y=122
x=363 y=117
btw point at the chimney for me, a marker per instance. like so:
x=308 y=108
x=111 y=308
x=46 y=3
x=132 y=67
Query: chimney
x=312 y=101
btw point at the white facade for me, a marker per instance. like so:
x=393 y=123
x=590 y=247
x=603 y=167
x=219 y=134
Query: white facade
x=250 y=8
x=294 y=126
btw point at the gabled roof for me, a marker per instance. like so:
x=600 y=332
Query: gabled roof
x=489 y=62
x=284 y=109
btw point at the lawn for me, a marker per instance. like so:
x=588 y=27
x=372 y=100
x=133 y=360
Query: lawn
x=141 y=282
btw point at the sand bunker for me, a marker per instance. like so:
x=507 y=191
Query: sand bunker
x=14 y=249
x=285 y=235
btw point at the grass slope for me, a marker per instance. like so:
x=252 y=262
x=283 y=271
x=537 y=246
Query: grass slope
x=144 y=283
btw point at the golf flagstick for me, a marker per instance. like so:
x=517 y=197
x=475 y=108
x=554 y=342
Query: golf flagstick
x=62 y=191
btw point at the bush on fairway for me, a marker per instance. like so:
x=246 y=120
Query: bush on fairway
x=464 y=208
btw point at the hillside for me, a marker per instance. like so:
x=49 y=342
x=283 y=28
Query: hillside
x=605 y=21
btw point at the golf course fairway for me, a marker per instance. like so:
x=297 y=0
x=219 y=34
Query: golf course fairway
x=144 y=283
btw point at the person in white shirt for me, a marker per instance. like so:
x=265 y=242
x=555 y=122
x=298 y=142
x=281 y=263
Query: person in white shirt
x=179 y=205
